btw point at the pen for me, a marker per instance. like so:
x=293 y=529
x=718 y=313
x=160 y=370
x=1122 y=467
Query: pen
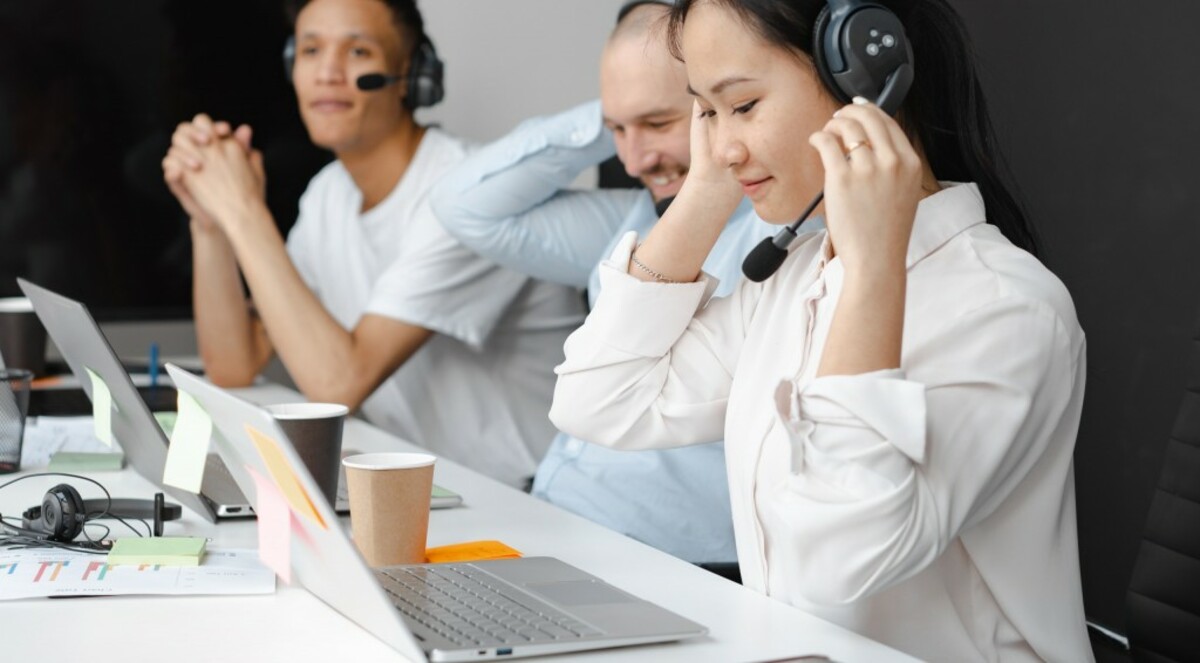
x=153 y=365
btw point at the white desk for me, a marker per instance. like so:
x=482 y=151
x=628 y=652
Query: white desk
x=294 y=625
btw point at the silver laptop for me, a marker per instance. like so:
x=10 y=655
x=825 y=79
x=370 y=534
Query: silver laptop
x=444 y=612
x=144 y=442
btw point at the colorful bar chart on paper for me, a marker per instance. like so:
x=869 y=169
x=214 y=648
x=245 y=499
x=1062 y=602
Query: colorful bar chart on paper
x=33 y=573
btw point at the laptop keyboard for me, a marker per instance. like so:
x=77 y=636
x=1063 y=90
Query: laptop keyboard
x=468 y=607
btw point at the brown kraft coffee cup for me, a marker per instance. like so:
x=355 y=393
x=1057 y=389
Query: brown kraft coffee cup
x=389 y=505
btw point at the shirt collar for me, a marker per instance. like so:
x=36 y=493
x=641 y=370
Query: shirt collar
x=942 y=216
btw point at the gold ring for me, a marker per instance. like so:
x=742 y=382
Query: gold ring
x=861 y=143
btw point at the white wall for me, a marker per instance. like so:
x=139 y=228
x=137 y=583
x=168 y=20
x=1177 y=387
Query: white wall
x=506 y=60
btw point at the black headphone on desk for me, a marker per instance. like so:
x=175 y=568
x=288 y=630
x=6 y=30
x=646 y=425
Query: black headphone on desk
x=860 y=49
x=63 y=513
x=426 y=75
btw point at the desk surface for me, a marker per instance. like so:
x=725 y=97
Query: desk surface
x=293 y=624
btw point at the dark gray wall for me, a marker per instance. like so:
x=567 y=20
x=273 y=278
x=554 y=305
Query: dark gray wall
x=1097 y=107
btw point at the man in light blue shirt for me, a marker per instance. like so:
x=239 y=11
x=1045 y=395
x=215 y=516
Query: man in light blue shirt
x=510 y=202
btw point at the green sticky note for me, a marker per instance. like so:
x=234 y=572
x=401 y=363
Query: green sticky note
x=188 y=450
x=161 y=550
x=78 y=461
x=101 y=407
x=166 y=421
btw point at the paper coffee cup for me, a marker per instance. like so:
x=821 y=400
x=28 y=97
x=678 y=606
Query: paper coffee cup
x=22 y=336
x=389 y=505
x=315 y=431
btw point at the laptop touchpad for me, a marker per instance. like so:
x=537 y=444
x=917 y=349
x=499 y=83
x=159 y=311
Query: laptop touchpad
x=579 y=592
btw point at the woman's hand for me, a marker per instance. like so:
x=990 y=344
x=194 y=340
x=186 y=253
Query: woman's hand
x=677 y=246
x=708 y=182
x=873 y=179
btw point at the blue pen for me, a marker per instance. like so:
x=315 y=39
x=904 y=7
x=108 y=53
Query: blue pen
x=153 y=364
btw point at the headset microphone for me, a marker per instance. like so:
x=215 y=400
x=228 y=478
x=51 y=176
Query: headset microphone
x=765 y=259
x=371 y=82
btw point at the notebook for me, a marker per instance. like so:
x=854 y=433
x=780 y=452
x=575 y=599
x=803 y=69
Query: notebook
x=503 y=608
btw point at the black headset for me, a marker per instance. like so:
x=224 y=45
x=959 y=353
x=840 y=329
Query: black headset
x=60 y=517
x=63 y=513
x=860 y=50
x=426 y=74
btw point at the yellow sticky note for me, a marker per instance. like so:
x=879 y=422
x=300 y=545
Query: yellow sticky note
x=189 y=445
x=283 y=475
x=101 y=407
x=274 y=526
x=471 y=551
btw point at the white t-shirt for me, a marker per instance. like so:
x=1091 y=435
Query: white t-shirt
x=476 y=392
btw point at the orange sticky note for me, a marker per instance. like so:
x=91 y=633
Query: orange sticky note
x=471 y=551
x=274 y=526
x=284 y=478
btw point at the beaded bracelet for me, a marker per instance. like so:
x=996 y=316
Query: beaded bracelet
x=657 y=275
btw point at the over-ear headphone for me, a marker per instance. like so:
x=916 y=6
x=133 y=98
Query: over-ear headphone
x=63 y=513
x=425 y=79
x=860 y=50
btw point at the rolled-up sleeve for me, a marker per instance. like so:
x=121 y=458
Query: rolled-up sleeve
x=862 y=433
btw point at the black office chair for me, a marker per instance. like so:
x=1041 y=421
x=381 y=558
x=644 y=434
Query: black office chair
x=1163 y=601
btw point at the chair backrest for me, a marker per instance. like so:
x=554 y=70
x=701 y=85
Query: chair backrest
x=1164 y=593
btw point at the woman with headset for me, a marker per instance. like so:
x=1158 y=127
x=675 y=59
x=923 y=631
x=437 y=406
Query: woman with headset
x=900 y=401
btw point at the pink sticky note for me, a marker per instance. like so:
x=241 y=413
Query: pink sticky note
x=274 y=526
x=302 y=533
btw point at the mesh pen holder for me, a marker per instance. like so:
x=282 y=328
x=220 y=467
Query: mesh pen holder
x=14 y=403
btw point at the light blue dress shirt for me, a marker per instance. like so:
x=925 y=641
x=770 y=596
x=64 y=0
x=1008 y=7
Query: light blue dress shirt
x=509 y=202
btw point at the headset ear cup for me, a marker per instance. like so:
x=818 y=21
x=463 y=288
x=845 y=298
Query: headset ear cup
x=63 y=513
x=425 y=73
x=289 y=57
x=821 y=59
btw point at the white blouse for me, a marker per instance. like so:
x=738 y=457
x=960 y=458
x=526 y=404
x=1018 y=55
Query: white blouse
x=930 y=507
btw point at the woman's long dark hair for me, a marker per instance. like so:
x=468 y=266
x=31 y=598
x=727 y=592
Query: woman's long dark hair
x=945 y=111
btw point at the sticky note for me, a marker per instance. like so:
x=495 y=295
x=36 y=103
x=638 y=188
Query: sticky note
x=274 y=526
x=285 y=478
x=166 y=420
x=470 y=551
x=79 y=461
x=161 y=550
x=188 y=450
x=101 y=407
x=301 y=533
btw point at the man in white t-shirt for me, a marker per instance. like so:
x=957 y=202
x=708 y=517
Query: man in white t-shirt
x=370 y=303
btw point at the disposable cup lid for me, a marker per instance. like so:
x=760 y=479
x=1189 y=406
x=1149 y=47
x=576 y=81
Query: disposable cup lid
x=15 y=305
x=307 y=410
x=389 y=461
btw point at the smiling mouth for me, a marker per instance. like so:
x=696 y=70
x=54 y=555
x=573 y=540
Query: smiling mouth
x=664 y=179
